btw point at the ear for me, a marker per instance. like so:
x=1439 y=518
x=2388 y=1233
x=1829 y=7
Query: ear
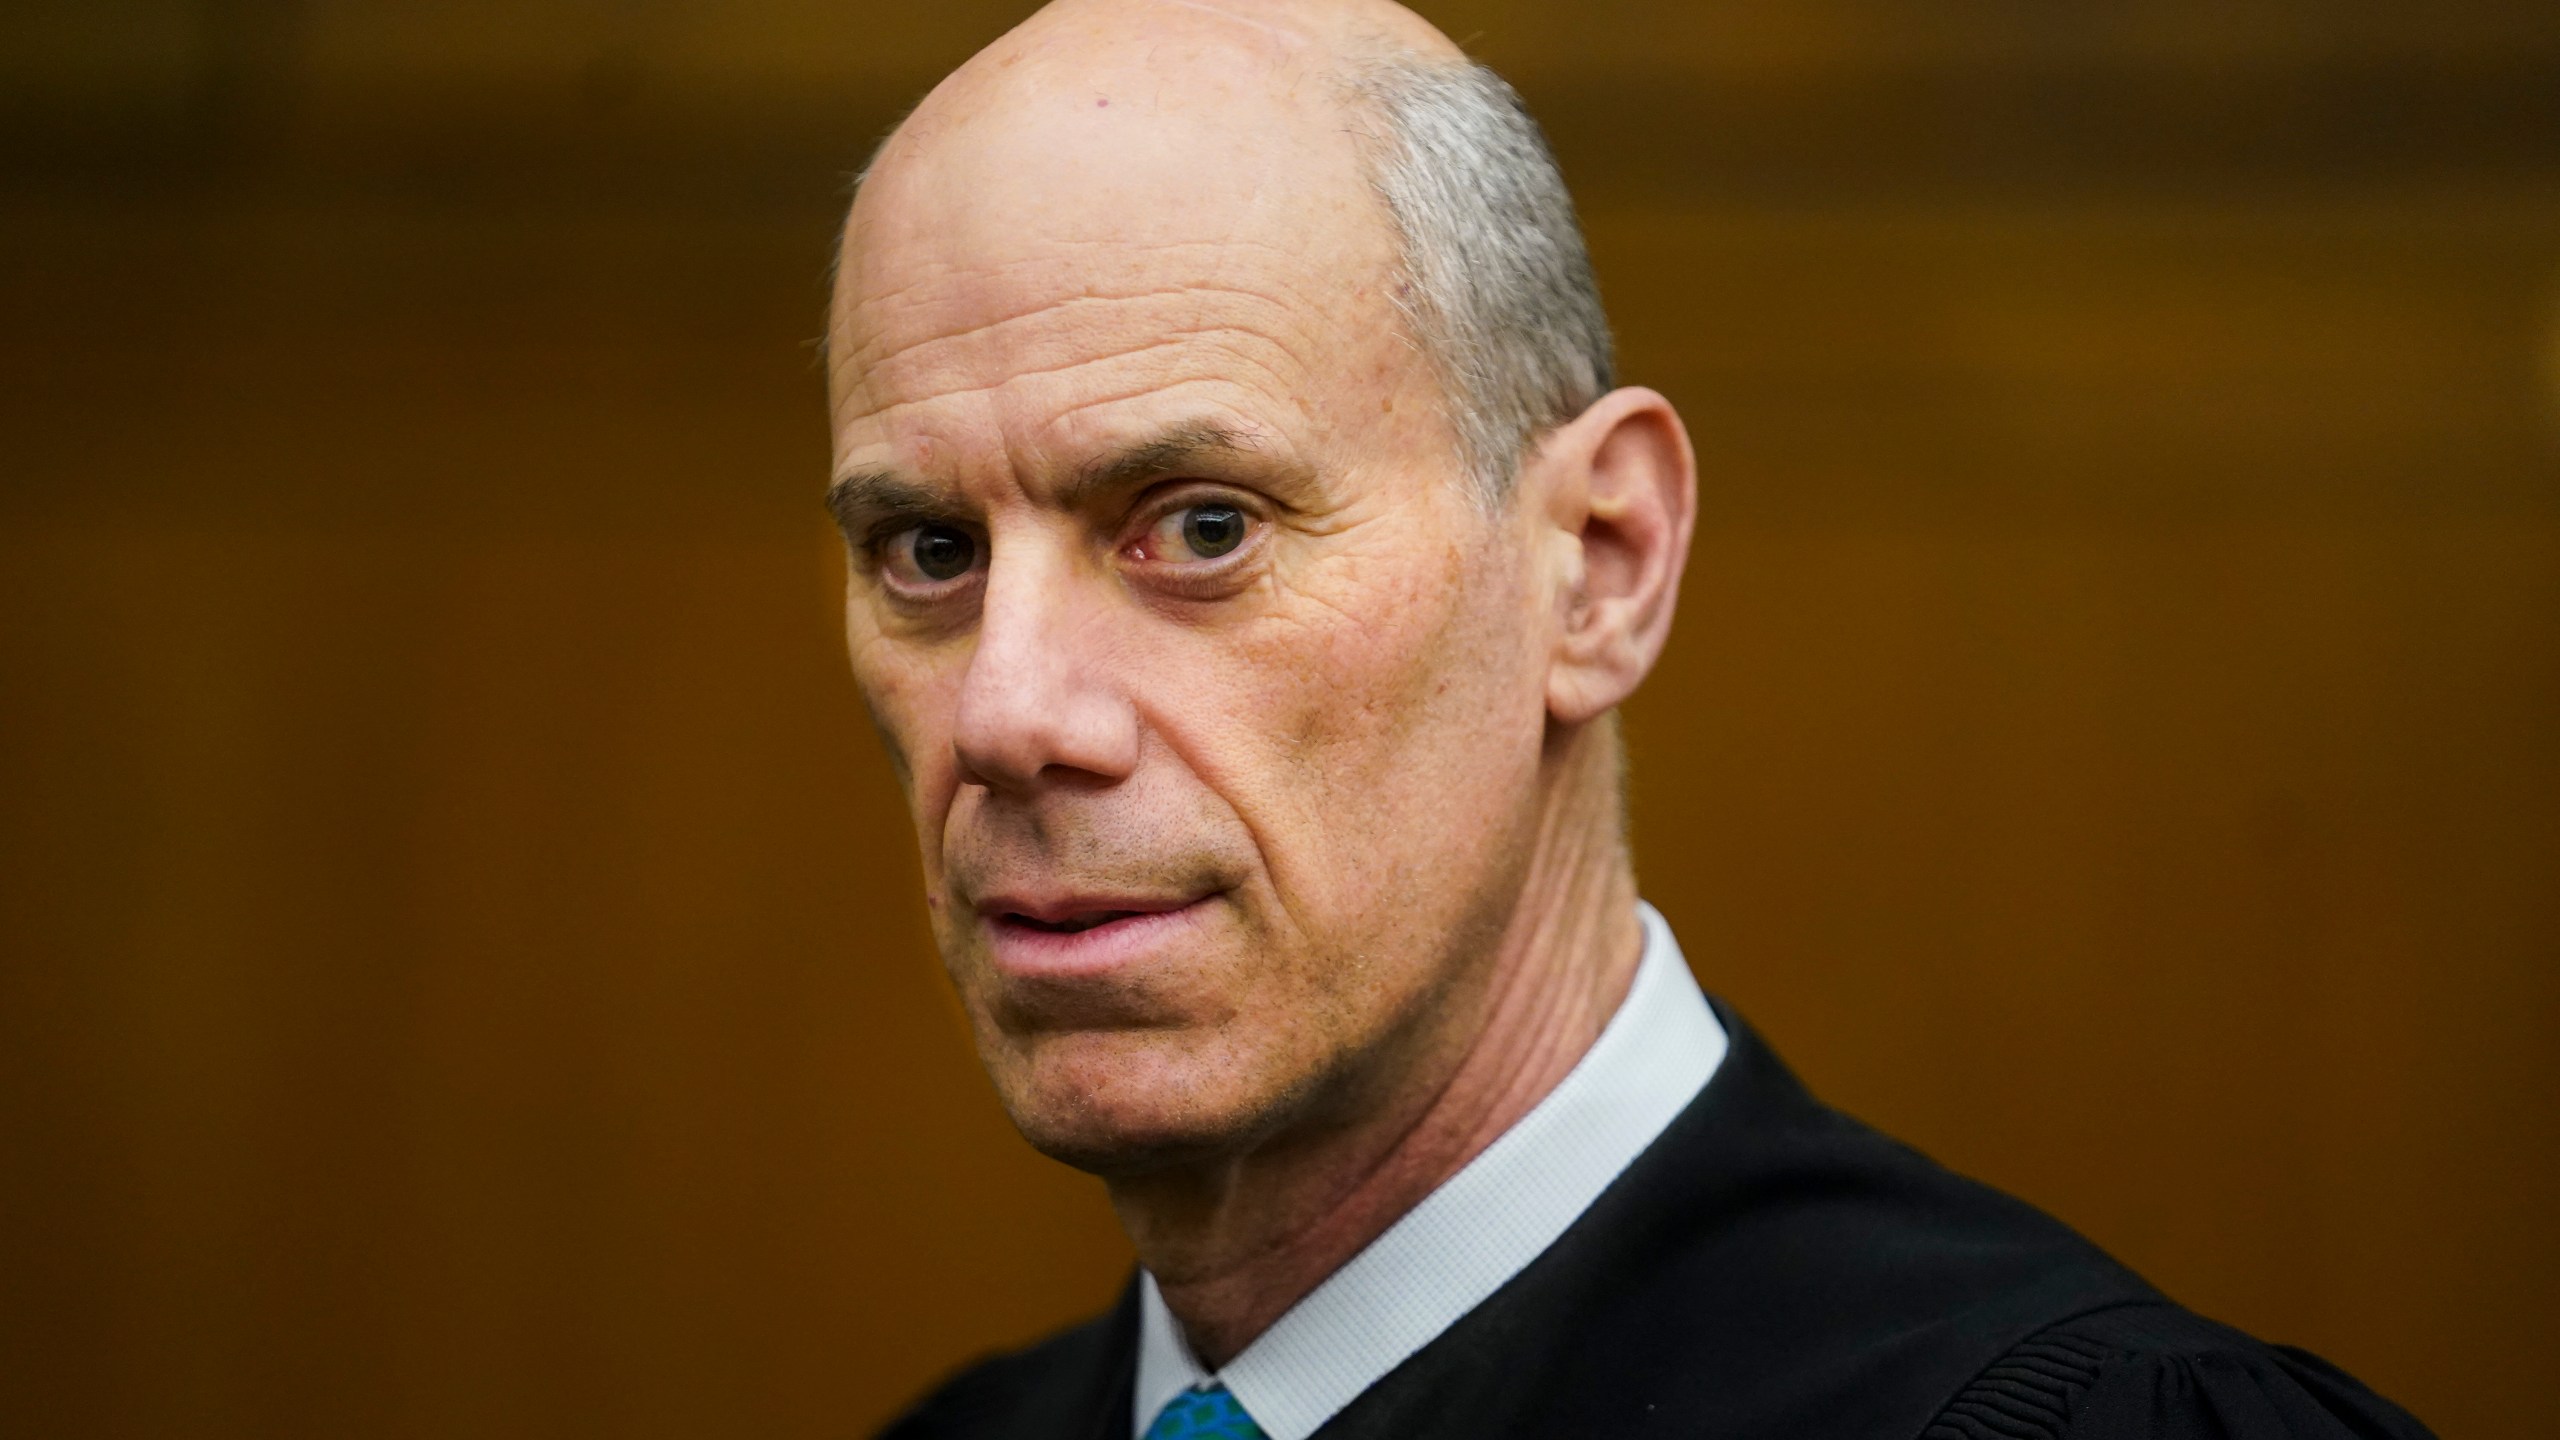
x=1620 y=486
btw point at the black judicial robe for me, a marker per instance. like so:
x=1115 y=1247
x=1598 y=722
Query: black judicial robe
x=1768 y=1269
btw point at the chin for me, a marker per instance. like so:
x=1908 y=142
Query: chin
x=1126 y=1102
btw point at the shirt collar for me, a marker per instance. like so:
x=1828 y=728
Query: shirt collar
x=1480 y=1228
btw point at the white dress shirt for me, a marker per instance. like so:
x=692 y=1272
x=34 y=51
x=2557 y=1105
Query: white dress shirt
x=1480 y=1228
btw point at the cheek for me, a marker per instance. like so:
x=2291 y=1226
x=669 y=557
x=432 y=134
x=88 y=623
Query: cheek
x=911 y=696
x=1399 y=729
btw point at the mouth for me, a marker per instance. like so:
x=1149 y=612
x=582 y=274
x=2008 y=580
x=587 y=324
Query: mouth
x=1073 y=936
x=1075 y=924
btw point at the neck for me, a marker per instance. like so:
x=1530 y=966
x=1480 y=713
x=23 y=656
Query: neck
x=1234 y=1243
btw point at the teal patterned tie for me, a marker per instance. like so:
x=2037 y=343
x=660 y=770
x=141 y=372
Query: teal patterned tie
x=1210 y=1414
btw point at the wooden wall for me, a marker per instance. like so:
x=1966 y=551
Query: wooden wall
x=460 y=970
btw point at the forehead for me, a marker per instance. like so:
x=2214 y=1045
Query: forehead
x=1050 y=264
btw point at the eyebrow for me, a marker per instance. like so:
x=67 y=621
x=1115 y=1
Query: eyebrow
x=858 y=496
x=1178 y=448
x=872 y=492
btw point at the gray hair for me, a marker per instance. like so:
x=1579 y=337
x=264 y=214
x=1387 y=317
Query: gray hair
x=1497 y=284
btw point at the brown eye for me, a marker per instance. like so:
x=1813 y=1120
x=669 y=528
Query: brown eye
x=1212 y=530
x=942 y=552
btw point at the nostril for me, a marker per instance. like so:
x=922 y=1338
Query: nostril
x=1031 y=713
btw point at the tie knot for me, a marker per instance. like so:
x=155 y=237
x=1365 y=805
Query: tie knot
x=1210 y=1414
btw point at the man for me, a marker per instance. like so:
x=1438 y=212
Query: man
x=1248 y=554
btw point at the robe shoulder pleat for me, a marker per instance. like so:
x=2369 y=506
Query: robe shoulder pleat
x=2156 y=1372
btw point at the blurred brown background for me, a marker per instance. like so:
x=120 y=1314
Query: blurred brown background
x=460 y=965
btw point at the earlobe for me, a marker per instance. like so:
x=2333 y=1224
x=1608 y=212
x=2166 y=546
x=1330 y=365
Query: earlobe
x=1623 y=483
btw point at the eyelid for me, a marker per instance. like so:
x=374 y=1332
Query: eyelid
x=1190 y=495
x=886 y=528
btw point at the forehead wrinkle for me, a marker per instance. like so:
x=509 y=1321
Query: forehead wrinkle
x=1270 y=356
x=1048 y=251
x=1281 y=290
x=1062 y=312
x=1097 y=402
x=1165 y=340
x=936 y=266
x=994 y=274
x=1104 y=231
x=1279 y=377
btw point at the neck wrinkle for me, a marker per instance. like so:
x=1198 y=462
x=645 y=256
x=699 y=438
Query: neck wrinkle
x=1563 y=966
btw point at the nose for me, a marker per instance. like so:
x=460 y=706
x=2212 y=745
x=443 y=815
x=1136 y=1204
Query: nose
x=1038 y=703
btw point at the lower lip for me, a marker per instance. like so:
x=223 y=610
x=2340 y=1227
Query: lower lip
x=1029 y=952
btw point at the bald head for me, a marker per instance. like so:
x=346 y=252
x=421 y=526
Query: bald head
x=1199 y=46
x=1347 y=131
x=1241 y=65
